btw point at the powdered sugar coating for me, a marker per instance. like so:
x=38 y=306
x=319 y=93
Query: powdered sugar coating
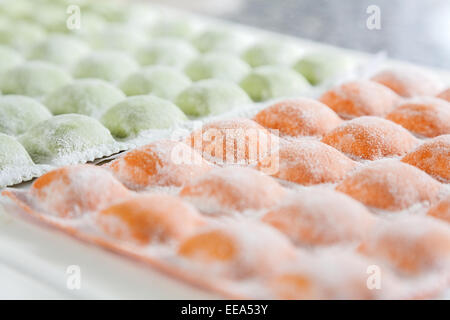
x=12 y=153
x=441 y=210
x=445 y=95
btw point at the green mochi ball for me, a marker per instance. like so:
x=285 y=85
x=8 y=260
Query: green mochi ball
x=218 y=66
x=271 y=53
x=139 y=113
x=19 y=113
x=211 y=97
x=119 y=37
x=177 y=28
x=221 y=40
x=320 y=67
x=161 y=81
x=106 y=65
x=268 y=82
x=63 y=135
x=166 y=51
x=12 y=153
x=34 y=79
x=91 y=97
x=21 y=35
x=59 y=49
x=8 y=58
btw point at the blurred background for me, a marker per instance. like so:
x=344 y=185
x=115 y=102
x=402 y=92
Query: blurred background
x=414 y=30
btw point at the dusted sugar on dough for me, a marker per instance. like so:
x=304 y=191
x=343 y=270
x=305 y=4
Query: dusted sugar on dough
x=433 y=157
x=233 y=188
x=320 y=67
x=370 y=138
x=268 y=82
x=139 y=113
x=20 y=113
x=409 y=82
x=441 y=210
x=211 y=97
x=63 y=135
x=413 y=245
x=12 y=153
x=33 y=79
x=9 y=58
x=320 y=217
x=167 y=52
x=217 y=65
x=119 y=37
x=233 y=141
x=390 y=185
x=271 y=53
x=73 y=191
x=238 y=249
x=106 y=65
x=91 y=97
x=160 y=163
x=360 y=98
x=445 y=95
x=148 y=218
x=220 y=40
x=299 y=117
x=161 y=81
x=21 y=35
x=62 y=50
x=307 y=162
x=424 y=116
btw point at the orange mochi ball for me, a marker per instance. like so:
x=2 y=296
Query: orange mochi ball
x=360 y=98
x=299 y=117
x=445 y=95
x=232 y=141
x=412 y=244
x=149 y=217
x=409 y=82
x=307 y=162
x=433 y=157
x=160 y=163
x=370 y=138
x=441 y=210
x=320 y=217
x=238 y=249
x=390 y=185
x=233 y=188
x=71 y=191
x=425 y=116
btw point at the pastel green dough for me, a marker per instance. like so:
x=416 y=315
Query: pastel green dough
x=221 y=40
x=161 y=81
x=59 y=49
x=217 y=66
x=271 y=53
x=34 y=79
x=106 y=65
x=91 y=97
x=8 y=58
x=319 y=67
x=64 y=135
x=12 y=153
x=268 y=82
x=166 y=51
x=139 y=113
x=19 y=113
x=179 y=28
x=211 y=97
x=119 y=37
x=21 y=35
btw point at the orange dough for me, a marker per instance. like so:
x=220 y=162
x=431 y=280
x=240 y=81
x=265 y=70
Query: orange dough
x=162 y=163
x=72 y=191
x=426 y=116
x=299 y=117
x=370 y=138
x=412 y=244
x=320 y=217
x=149 y=217
x=445 y=95
x=390 y=185
x=409 y=82
x=233 y=188
x=441 y=210
x=239 y=248
x=307 y=162
x=360 y=98
x=433 y=157
x=232 y=141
